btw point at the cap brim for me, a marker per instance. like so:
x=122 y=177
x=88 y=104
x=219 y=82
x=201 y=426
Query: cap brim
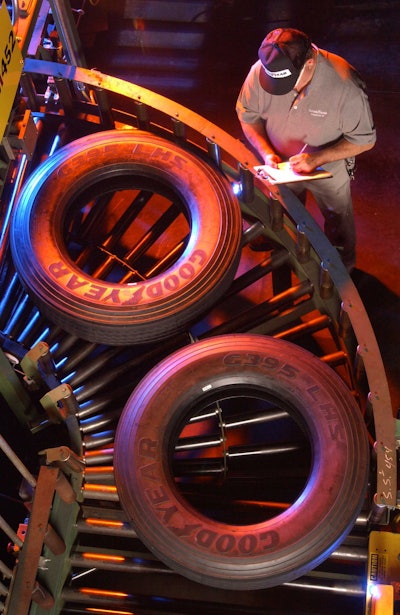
x=277 y=86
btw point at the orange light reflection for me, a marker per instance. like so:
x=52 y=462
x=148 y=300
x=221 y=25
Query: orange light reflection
x=94 y=487
x=103 y=557
x=108 y=611
x=102 y=592
x=104 y=523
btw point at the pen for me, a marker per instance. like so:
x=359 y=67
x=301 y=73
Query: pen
x=303 y=148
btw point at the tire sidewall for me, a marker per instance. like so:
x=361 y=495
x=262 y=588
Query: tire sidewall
x=205 y=268
x=283 y=547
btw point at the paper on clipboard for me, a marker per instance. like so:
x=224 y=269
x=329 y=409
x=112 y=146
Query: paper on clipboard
x=284 y=174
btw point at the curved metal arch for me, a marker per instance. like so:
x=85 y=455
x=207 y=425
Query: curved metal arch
x=351 y=302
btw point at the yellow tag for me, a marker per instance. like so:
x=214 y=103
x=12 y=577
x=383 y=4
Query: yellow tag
x=384 y=557
x=383 y=572
x=383 y=600
x=10 y=67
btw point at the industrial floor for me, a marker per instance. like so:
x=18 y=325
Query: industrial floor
x=202 y=65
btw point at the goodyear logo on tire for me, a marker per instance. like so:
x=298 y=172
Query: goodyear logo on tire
x=10 y=67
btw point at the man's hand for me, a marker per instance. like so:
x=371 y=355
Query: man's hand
x=272 y=160
x=304 y=163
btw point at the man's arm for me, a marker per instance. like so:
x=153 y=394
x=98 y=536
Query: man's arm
x=307 y=162
x=257 y=137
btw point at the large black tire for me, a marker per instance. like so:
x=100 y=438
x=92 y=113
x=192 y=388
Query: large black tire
x=149 y=309
x=235 y=555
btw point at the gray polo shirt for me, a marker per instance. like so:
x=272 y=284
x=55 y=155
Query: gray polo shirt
x=332 y=106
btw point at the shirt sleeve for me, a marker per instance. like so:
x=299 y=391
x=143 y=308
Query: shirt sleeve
x=248 y=105
x=357 y=121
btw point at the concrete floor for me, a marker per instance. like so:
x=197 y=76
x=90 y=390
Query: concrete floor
x=361 y=38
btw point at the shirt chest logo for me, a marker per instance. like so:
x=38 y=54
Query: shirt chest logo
x=318 y=112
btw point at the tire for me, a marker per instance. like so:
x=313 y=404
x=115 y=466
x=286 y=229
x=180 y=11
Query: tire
x=52 y=211
x=237 y=554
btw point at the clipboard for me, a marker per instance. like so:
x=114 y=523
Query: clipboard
x=284 y=174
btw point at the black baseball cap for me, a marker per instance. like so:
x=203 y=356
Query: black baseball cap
x=282 y=54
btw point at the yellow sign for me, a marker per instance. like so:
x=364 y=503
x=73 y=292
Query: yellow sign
x=383 y=587
x=10 y=67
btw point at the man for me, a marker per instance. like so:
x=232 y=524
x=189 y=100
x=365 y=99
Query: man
x=309 y=106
